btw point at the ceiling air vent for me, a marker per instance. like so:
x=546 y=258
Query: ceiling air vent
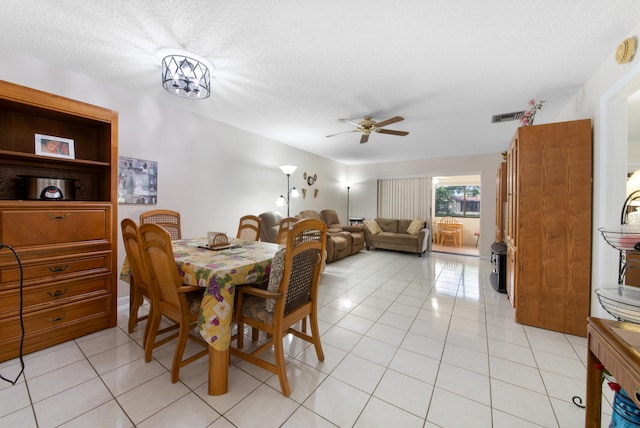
x=506 y=117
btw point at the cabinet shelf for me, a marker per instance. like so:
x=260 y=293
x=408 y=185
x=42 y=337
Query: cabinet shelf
x=29 y=157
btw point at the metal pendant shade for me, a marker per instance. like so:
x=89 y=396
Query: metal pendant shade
x=185 y=77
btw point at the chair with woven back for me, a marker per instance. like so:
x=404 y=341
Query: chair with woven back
x=448 y=232
x=170 y=298
x=249 y=228
x=168 y=219
x=283 y=230
x=291 y=297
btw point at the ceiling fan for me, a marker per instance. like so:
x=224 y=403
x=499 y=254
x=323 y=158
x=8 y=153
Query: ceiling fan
x=368 y=125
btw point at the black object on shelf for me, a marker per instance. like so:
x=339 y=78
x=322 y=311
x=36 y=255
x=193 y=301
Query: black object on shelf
x=498 y=277
x=353 y=221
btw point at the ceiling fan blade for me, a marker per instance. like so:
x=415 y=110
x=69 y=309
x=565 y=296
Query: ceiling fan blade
x=345 y=132
x=389 y=121
x=364 y=138
x=349 y=121
x=392 y=132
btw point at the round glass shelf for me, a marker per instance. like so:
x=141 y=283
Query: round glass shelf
x=620 y=301
x=622 y=237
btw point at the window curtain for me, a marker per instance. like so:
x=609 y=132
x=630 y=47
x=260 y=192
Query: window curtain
x=405 y=198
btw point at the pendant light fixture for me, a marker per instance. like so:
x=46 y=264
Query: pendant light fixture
x=185 y=77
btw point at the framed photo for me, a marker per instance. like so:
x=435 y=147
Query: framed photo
x=56 y=147
x=137 y=181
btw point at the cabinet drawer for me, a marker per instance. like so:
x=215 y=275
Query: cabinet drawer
x=55 y=268
x=50 y=294
x=55 y=318
x=44 y=328
x=44 y=226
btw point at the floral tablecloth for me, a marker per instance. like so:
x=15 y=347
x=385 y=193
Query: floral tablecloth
x=219 y=272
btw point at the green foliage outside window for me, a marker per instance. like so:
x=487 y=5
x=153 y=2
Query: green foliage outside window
x=458 y=201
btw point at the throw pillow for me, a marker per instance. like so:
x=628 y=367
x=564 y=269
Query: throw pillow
x=415 y=227
x=275 y=277
x=372 y=226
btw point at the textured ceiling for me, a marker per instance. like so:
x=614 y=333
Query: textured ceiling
x=289 y=69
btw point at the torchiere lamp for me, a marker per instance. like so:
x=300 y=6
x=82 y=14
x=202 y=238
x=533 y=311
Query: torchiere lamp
x=291 y=192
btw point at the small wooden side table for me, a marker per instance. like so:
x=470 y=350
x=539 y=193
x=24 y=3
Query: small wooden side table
x=615 y=345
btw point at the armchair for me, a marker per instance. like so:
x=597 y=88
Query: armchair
x=342 y=241
x=270 y=226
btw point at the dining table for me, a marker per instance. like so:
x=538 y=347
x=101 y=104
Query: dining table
x=218 y=271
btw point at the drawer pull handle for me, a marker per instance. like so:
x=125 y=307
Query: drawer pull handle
x=59 y=268
x=58 y=217
x=58 y=293
x=57 y=319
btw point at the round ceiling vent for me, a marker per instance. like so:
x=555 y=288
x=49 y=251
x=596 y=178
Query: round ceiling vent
x=625 y=51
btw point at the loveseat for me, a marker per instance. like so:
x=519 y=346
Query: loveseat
x=393 y=234
x=342 y=241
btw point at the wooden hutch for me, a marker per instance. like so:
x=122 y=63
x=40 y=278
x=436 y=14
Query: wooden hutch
x=67 y=247
x=549 y=230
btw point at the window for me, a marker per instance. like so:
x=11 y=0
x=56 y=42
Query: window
x=458 y=201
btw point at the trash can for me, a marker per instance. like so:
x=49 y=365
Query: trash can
x=498 y=276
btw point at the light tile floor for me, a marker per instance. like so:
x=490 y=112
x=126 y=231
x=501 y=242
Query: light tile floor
x=409 y=341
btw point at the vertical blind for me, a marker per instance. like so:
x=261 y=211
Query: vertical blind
x=405 y=198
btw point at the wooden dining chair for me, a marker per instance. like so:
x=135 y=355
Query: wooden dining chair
x=249 y=228
x=168 y=219
x=448 y=232
x=138 y=283
x=435 y=232
x=290 y=297
x=170 y=298
x=283 y=230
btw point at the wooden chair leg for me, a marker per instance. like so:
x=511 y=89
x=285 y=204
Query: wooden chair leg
x=278 y=351
x=177 y=357
x=154 y=324
x=240 y=338
x=147 y=329
x=135 y=301
x=315 y=333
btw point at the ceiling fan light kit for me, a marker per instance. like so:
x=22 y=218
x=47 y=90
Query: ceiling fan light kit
x=367 y=125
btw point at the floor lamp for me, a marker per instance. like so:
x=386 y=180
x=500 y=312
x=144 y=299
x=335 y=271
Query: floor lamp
x=291 y=192
x=348 y=218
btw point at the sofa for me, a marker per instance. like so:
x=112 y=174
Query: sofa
x=342 y=241
x=393 y=234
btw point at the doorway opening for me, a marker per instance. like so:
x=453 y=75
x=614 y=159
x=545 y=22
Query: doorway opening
x=458 y=199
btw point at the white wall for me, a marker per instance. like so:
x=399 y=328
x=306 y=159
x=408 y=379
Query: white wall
x=603 y=99
x=210 y=172
x=364 y=189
